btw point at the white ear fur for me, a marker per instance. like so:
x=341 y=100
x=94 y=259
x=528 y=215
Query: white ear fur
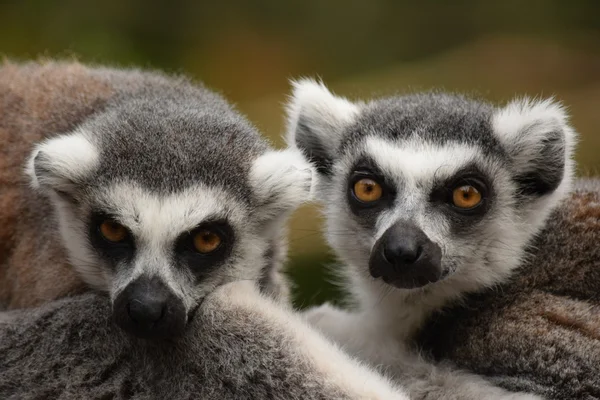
x=312 y=102
x=59 y=162
x=537 y=135
x=282 y=180
x=316 y=119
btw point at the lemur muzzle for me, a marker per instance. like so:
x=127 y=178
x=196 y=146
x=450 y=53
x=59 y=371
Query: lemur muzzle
x=405 y=257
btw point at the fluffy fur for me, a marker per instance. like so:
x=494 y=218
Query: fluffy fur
x=540 y=331
x=240 y=345
x=420 y=148
x=33 y=104
x=159 y=155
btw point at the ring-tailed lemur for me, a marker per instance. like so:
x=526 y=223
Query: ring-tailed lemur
x=427 y=197
x=239 y=345
x=157 y=188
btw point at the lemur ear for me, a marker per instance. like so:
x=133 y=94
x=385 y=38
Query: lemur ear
x=540 y=142
x=315 y=119
x=59 y=163
x=282 y=181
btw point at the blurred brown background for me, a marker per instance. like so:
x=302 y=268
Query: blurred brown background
x=249 y=49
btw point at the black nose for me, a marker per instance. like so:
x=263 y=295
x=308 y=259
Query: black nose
x=146 y=311
x=148 y=308
x=405 y=249
x=405 y=257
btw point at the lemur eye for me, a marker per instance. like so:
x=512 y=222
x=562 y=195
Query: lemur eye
x=367 y=190
x=466 y=197
x=113 y=231
x=206 y=241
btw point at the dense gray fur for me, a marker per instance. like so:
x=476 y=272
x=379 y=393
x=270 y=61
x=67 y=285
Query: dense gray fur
x=167 y=133
x=240 y=345
x=540 y=332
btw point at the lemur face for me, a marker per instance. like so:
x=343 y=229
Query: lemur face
x=432 y=190
x=160 y=211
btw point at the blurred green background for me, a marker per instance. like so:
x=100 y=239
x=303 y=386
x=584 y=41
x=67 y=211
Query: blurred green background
x=249 y=49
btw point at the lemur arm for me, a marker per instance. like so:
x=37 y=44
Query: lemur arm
x=324 y=357
x=419 y=377
x=239 y=345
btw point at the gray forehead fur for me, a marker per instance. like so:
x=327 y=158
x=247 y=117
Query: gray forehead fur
x=167 y=134
x=437 y=118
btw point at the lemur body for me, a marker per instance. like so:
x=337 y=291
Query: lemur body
x=239 y=345
x=145 y=186
x=427 y=197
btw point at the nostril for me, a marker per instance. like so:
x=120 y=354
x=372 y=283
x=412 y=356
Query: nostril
x=145 y=312
x=408 y=258
x=388 y=255
x=419 y=252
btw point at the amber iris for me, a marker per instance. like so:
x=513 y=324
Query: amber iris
x=466 y=197
x=367 y=190
x=113 y=231
x=206 y=241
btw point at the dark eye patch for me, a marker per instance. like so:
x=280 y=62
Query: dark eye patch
x=442 y=197
x=113 y=252
x=366 y=168
x=201 y=264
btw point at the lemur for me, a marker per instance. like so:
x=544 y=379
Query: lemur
x=147 y=187
x=241 y=344
x=427 y=197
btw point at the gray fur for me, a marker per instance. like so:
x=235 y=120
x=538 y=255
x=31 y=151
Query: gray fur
x=540 y=331
x=272 y=279
x=437 y=118
x=169 y=134
x=231 y=350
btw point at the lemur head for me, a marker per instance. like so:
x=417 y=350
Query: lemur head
x=432 y=191
x=159 y=202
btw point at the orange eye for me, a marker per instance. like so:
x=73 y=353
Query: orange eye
x=367 y=190
x=466 y=197
x=112 y=231
x=206 y=241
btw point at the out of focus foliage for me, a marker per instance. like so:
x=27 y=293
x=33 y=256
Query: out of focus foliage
x=249 y=49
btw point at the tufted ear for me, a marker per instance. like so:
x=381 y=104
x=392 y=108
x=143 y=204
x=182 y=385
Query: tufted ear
x=281 y=181
x=315 y=121
x=60 y=163
x=540 y=142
